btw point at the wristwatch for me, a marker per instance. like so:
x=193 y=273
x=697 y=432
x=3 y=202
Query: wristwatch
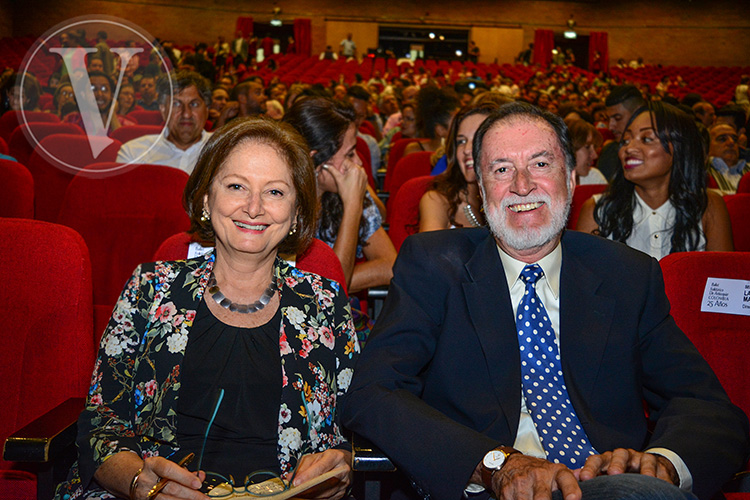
x=494 y=461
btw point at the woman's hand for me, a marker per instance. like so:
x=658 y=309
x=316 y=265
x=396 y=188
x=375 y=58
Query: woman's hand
x=182 y=483
x=351 y=183
x=312 y=466
x=116 y=475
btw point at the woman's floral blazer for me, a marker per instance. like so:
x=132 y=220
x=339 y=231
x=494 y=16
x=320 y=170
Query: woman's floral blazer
x=136 y=379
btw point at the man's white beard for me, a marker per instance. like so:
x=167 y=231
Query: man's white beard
x=526 y=238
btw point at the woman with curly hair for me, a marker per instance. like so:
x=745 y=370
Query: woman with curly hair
x=454 y=199
x=658 y=202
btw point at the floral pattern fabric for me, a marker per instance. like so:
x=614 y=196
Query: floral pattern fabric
x=136 y=380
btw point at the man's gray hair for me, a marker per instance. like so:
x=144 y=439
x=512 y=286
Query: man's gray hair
x=513 y=110
x=180 y=80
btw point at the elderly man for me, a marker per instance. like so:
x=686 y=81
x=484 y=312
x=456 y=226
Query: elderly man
x=724 y=162
x=518 y=360
x=621 y=102
x=184 y=136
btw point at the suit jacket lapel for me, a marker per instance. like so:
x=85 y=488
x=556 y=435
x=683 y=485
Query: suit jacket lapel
x=585 y=323
x=488 y=303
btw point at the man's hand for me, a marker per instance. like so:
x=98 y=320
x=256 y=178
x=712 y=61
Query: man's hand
x=624 y=460
x=526 y=478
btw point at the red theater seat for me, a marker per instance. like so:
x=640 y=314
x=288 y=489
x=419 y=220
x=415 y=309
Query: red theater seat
x=54 y=163
x=17 y=196
x=123 y=219
x=404 y=212
x=46 y=342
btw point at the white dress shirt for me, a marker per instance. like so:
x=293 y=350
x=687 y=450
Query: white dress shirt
x=157 y=150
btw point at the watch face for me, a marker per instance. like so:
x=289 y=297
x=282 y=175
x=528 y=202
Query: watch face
x=494 y=459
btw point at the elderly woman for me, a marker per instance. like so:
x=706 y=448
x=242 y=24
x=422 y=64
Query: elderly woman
x=238 y=325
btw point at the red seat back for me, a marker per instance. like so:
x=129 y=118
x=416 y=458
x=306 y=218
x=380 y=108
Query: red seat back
x=738 y=206
x=46 y=341
x=11 y=119
x=54 y=163
x=17 y=198
x=319 y=258
x=146 y=117
x=3 y=147
x=580 y=196
x=26 y=137
x=123 y=219
x=397 y=151
x=408 y=167
x=363 y=151
x=404 y=212
x=744 y=185
x=130 y=132
x=723 y=339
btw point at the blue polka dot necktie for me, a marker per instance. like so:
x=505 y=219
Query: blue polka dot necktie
x=547 y=399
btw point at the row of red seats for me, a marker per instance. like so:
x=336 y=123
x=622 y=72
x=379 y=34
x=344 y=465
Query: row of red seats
x=11 y=120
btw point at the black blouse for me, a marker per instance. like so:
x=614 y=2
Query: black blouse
x=246 y=363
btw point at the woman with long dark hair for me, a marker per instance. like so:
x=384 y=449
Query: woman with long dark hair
x=350 y=220
x=454 y=199
x=658 y=202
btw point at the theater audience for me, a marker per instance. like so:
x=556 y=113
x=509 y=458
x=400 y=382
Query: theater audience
x=658 y=202
x=238 y=325
x=183 y=138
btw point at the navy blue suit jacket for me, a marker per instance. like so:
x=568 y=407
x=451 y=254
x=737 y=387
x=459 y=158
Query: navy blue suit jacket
x=438 y=384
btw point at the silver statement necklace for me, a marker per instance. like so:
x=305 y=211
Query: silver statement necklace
x=469 y=213
x=224 y=302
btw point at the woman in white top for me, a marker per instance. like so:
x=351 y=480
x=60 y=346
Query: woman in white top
x=658 y=202
x=586 y=139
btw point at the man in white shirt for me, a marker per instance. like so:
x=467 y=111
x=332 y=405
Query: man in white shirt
x=182 y=139
x=724 y=162
x=517 y=361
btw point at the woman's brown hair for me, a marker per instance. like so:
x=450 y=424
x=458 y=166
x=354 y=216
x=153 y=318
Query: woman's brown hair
x=292 y=148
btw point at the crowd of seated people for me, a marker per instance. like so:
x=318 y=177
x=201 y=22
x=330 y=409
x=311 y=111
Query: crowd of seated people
x=657 y=154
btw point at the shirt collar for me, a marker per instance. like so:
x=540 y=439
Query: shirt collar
x=551 y=264
x=720 y=165
x=173 y=146
x=642 y=210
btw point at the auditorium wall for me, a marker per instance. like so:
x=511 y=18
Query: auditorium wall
x=696 y=32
